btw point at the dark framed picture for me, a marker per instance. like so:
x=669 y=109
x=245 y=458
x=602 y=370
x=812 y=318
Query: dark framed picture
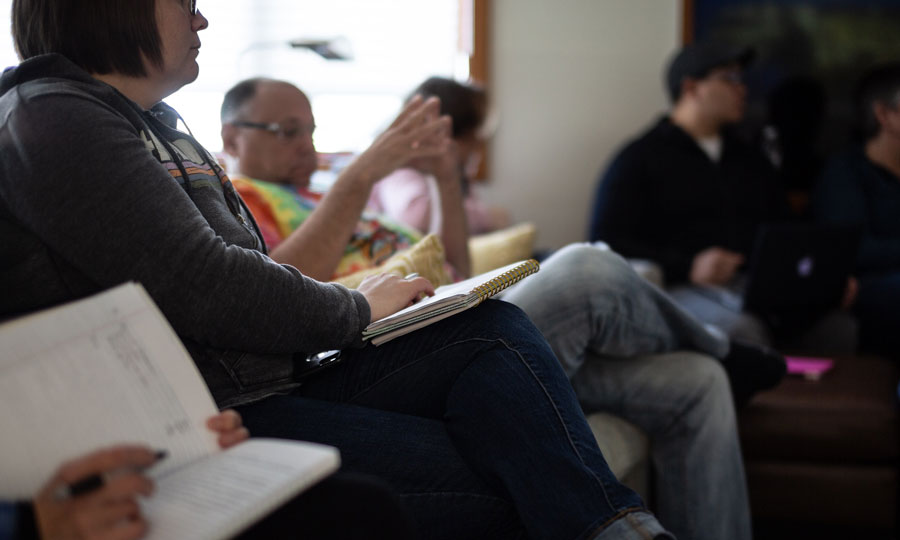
x=810 y=54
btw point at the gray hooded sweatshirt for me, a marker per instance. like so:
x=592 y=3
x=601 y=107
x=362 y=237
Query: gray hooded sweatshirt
x=95 y=191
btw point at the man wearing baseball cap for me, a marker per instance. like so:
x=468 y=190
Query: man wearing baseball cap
x=690 y=196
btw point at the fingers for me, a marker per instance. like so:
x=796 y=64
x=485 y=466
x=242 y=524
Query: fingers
x=724 y=264
x=422 y=285
x=227 y=420
x=421 y=124
x=434 y=132
x=417 y=132
x=412 y=282
x=388 y=293
x=108 y=459
x=111 y=511
x=730 y=266
x=233 y=437
x=106 y=516
x=427 y=290
x=413 y=290
x=426 y=139
x=229 y=426
x=412 y=106
x=736 y=259
x=119 y=521
x=121 y=487
x=130 y=530
x=417 y=111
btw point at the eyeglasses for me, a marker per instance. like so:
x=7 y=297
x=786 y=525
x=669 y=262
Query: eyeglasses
x=282 y=131
x=193 y=8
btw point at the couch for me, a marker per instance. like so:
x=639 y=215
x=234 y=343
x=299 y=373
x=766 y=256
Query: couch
x=625 y=447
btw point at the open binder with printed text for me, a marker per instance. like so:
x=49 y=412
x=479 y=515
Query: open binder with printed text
x=449 y=300
x=109 y=370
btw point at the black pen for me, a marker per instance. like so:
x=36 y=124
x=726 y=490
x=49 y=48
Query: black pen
x=95 y=481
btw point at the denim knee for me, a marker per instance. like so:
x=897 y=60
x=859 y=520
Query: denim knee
x=599 y=268
x=501 y=319
x=704 y=392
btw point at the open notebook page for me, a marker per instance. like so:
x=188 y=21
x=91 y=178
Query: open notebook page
x=222 y=494
x=101 y=371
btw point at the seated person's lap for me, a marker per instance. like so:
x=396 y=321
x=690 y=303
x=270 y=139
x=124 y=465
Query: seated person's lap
x=414 y=373
x=413 y=455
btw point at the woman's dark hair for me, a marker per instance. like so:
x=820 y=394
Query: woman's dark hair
x=466 y=104
x=100 y=36
x=879 y=85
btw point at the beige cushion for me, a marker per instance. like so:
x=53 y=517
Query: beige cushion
x=624 y=445
x=506 y=246
x=425 y=257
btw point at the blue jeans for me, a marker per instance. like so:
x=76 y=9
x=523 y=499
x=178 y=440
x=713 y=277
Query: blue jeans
x=834 y=333
x=598 y=316
x=473 y=422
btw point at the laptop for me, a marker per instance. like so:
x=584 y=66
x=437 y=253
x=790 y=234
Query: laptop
x=799 y=269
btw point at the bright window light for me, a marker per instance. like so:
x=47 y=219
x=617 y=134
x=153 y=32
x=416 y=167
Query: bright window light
x=395 y=44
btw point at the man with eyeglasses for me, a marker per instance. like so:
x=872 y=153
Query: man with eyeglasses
x=269 y=126
x=267 y=129
x=690 y=196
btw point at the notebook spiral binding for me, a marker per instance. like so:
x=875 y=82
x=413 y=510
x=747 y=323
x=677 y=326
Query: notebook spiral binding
x=504 y=280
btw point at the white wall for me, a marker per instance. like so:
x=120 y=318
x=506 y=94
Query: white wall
x=571 y=79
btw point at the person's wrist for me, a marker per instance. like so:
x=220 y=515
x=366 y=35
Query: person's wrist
x=363 y=172
x=449 y=177
x=450 y=184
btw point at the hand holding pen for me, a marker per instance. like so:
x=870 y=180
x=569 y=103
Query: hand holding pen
x=101 y=495
x=95 y=496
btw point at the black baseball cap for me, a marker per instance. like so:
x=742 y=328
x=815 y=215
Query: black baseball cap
x=696 y=60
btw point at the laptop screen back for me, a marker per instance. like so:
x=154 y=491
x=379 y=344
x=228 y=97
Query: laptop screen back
x=799 y=268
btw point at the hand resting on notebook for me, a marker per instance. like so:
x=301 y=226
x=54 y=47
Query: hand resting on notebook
x=389 y=293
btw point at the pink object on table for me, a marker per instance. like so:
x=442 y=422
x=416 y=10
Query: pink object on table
x=807 y=367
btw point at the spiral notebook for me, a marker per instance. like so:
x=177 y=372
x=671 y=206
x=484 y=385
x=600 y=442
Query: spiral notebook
x=449 y=300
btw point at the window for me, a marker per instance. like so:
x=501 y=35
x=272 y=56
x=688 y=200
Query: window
x=7 y=50
x=395 y=45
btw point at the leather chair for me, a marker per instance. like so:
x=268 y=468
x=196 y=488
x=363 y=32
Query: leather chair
x=826 y=452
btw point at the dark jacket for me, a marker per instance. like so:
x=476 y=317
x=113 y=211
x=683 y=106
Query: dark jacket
x=854 y=191
x=663 y=198
x=95 y=191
